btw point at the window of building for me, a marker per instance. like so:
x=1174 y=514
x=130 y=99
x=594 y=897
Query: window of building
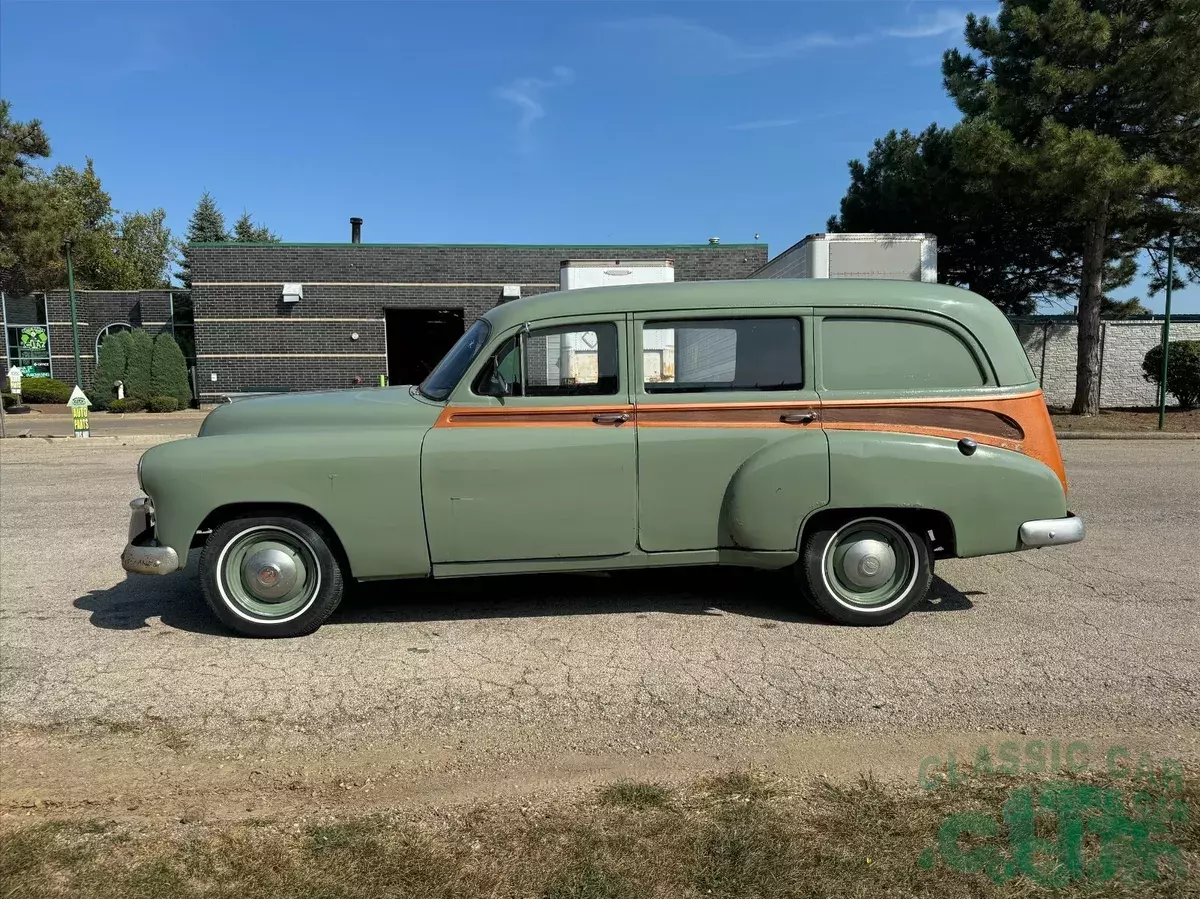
x=27 y=335
x=706 y=355
x=894 y=354
x=114 y=328
x=571 y=360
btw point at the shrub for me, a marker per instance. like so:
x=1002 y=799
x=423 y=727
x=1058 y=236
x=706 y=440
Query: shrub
x=110 y=367
x=168 y=371
x=1183 y=371
x=8 y=399
x=138 y=357
x=162 y=404
x=131 y=405
x=45 y=390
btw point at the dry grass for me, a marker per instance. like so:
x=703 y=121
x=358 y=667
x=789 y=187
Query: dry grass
x=739 y=835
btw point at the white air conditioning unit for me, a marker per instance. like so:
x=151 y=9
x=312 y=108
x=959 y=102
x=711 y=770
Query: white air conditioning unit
x=293 y=293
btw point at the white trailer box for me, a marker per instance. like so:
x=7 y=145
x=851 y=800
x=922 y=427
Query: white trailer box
x=574 y=355
x=577 y=273
x=901 y=257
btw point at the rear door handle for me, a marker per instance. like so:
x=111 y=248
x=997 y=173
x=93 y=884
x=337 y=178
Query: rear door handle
x=611 y=418
x=798 y=418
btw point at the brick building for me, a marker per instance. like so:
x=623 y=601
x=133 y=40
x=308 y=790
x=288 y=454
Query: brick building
x=353 y=312
x=47 y=319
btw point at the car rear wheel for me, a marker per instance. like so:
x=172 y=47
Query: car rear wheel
x=866 y=570
x=271 y=576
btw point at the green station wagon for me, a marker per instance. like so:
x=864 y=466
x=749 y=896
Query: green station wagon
x=853 y=431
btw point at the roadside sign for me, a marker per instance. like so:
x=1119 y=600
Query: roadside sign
x=14 y=381
x=79 y=412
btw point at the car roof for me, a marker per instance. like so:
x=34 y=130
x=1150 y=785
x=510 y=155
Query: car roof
x=973 y=311
x=848 y=292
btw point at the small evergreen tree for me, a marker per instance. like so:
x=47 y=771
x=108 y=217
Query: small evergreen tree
x=138 y=358
x=168 y=371
x=110 y=367
x=246 y=230
x=207 y=225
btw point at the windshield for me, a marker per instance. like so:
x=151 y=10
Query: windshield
x=448 y=372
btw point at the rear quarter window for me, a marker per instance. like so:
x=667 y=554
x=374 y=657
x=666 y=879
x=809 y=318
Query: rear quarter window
x=894 y=354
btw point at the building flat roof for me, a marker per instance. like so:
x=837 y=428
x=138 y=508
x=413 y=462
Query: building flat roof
x=492 y=246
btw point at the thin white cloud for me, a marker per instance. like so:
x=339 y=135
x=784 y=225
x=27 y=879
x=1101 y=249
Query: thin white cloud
x=526 y=94
x=944 y=21
x=698 y=49
x=762 y=124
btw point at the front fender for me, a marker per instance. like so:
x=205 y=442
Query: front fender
x=365 y=483
x=987 y=496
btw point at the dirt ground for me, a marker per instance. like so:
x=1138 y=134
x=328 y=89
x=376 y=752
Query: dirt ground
x=1127 y=420
x=124 y=700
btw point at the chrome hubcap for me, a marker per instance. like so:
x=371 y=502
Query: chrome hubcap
x=868 y=563
x=269 y=574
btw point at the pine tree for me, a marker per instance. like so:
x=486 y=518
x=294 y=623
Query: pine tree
x=168 y=371
x=138 y=356
x=246 y=230
x=110 y=367
x=1095 y=106
x=207 y=225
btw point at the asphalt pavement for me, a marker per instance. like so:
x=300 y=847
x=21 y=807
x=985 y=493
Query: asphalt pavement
x=1105 y=632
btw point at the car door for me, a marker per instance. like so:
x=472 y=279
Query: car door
x=534 y=456
x=730 y=447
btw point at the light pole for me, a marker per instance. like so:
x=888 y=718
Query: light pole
x=74 y=315
x=1166 y=338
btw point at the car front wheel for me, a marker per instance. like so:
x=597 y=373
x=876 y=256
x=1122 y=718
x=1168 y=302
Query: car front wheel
x=866 y=570
x=271 y=576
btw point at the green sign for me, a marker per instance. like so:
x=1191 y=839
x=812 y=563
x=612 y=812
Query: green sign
x=34 y=340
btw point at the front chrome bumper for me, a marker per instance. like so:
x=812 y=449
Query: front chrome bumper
x=1052 y=532
x=141 y=556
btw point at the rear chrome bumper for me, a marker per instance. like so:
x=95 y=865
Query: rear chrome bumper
x=1052 y=532
x=141 y=556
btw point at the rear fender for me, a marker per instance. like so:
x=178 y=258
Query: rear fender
x=987 y=495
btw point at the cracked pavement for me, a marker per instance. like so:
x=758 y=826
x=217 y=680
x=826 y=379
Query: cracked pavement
x=1101 y=637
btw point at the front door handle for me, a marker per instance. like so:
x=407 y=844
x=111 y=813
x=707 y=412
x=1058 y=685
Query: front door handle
x=798 y=418
x=611 y=418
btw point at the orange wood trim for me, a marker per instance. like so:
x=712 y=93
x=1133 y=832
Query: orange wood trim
x=529 y=416
x=725 y=415
x=963 y=419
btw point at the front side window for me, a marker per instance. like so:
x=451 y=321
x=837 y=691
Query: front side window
x=446 y=374
x=707 y=355
x=570 y=360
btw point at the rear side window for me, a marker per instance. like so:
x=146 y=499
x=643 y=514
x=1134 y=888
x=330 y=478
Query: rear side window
x=707 y=355
x=894 y=354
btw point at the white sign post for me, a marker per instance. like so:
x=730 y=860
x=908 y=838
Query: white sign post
x=14 y=381
x=79 y=412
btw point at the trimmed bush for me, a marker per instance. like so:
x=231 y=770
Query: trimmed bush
x=168 y=372
x=121 y=406
x=1183 y=371
x=9 y=400
x=162 y=404
x=45 y=390
x=110 y=368
x=138 y=357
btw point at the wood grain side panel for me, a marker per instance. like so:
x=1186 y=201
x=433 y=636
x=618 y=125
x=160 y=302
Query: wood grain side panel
x=977 y=421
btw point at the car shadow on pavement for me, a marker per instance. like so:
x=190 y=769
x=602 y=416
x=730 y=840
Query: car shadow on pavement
x=769 y=595
x=130 y=604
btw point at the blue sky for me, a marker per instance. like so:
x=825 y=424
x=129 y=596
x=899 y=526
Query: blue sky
x=484 y=122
